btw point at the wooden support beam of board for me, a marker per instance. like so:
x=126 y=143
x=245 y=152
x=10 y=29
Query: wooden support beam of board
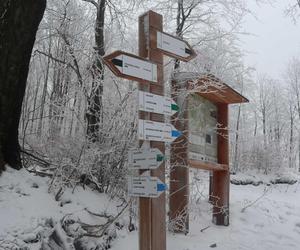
x=152 y=212
x=207 y=165
x=221 y=179
x=179 y=172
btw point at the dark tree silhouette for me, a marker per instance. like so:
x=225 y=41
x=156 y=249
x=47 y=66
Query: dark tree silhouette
x=19 y=21
x=94 y=114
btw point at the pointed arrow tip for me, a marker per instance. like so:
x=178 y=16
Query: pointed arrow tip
x=160 y=157
x=188 y=51
x=117 y=62
x=161 y=187
x=174 y=107
x=176 y=133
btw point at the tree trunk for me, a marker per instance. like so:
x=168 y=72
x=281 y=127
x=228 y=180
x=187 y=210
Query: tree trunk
x=95 y=108
x=19 y=21
x=236 y=147
x=291 y=136
x=44 y=91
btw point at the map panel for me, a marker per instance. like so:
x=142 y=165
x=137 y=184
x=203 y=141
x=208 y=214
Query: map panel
x=202 y=129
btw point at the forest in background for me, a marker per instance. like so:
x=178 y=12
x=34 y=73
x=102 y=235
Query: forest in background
x=78 y=120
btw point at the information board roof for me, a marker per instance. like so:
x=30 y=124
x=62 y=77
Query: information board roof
x=210 y=87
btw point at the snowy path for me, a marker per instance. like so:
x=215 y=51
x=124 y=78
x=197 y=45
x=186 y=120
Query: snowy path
x=273 y=222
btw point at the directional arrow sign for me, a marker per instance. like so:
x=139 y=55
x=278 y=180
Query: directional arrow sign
x=145 y=186
x=174 y=47
x=157 y=104
x=131 y=67
x=157 y=131
x=145 y=159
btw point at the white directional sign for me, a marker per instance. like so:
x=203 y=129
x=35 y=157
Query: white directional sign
x=135 y=67
x=157 y=131
x=157 y=104
x=145 y=159
x=145 y=186
x=174 y=46
x=131 y=67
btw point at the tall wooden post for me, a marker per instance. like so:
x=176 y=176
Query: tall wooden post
x=221 y=179
x=152 y=212
x=179 y=176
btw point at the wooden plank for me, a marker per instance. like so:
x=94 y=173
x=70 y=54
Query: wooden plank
x=179 y=173
x=207 y=165
x=221 y=179
x=152 y=212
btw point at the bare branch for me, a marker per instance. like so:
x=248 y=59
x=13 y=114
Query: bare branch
x=92 y=2
x=54 y=58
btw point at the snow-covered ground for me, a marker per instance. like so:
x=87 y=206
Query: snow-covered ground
x=28 y=211
x=261 y=217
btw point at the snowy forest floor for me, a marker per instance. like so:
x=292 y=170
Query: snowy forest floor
x=261 y=217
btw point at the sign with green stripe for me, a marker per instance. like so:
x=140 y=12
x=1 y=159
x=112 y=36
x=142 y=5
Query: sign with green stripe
x=145 y=158
x=157 y=104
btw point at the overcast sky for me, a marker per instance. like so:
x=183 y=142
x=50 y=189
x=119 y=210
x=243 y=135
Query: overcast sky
x=275 y=38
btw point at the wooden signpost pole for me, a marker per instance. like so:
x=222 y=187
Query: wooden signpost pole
x=152 y=212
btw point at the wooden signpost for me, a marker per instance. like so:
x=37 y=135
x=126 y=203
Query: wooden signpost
x=147 y=69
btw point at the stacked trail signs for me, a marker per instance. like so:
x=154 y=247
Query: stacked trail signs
x=145 y=186
x=132 y=67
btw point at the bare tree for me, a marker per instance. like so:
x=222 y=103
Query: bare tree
x=292 y=10
x=94 y=114
x=293 y=79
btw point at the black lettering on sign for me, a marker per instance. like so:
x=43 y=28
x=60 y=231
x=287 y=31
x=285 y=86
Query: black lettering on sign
x=134 y=66
x=117 y=62
x=188 y=51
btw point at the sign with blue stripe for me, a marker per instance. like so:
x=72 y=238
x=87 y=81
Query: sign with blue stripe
x=157 y=131
x=145 y=186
